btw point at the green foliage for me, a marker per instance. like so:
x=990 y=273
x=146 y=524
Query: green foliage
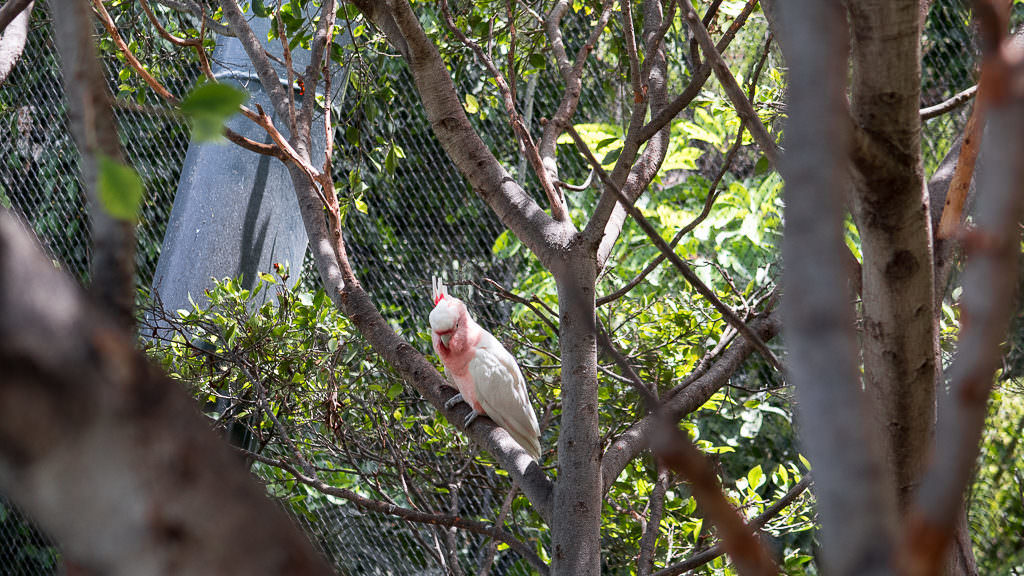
x=996 y=500
x=23 y=548
x=208 y=106
x=120 y=188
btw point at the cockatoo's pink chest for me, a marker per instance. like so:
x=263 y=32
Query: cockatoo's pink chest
x=456 y=362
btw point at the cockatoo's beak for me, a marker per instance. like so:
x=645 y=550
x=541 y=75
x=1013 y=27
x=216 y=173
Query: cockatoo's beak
x=445 y=337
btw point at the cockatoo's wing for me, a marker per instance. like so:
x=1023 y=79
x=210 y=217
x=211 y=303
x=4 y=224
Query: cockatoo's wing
x=501 y=391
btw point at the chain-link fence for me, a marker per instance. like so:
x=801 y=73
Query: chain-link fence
x=420 y=221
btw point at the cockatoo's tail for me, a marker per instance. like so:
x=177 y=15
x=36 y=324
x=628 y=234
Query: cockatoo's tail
x=487 y=376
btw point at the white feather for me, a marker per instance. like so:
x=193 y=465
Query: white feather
x=501 y=391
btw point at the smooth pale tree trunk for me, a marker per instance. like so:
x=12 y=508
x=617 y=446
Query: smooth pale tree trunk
x=890 y=207
x=855 y=504
x=576 y=518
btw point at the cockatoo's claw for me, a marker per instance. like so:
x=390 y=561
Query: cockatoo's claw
x=453 y=401
x=473 y=414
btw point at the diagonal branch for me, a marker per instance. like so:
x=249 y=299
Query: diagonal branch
x=489 y=179
x=701 y=558
x=684 y=269
x=989 y=283
x=409 y=514
x=677 y=452
x=258 y=56
x=739 y=100
x=697 y=81
x=79 y=401
x=628 y=445
x=630 y=173
x=952 y=103
x=195 y=43
x=319 y=57
x=559 y=209
x=709 y=201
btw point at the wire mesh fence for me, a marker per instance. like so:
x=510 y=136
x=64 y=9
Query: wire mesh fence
x=422 y=221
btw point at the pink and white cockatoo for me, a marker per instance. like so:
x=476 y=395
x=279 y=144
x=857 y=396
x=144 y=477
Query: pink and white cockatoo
x=486 y=374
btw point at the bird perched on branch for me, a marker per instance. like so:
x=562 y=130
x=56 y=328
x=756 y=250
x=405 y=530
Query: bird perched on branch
x=485 y=373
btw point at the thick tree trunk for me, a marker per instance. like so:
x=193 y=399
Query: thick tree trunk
x=110 y=456
x=855 y=504
x=576 y=514
x=890 y=207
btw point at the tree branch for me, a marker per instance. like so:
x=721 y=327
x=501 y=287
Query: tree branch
x=633 y=175
x=194 y=43
x=952 y=103
x=153 y=487
x=636 y=438
x=697 y=80
x=112 y=269
x=836 y=429
x=319 y=57
x=559 y=210
x=989 y=283
x=489 y=179
x=258 y=56
x=675 y=450
x=743 y=107
x=691 y=277
x=409 y=514
x=709 y=201
x=956 y=196
x=703 y=557
x=649 y=538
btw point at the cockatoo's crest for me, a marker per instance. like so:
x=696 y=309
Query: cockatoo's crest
x=440 y=291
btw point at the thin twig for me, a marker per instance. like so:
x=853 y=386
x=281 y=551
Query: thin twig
x=408 y=514
x=675 y=449
x=703 y=557
x=727 y=313
x=153 y=83
x=954 y=102
x=195 y=43
x=555 y=199
x=743 y=107
x=709 y=201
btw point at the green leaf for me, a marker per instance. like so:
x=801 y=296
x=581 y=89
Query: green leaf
x=804 y=461
x=260 y=9
x=755 y=478
x=783 y=474
x=352 y=135
x=537 y=60
x=506 y=245
x=120 y=189
x=472 y=105
x=209 y=106
x=611 y=156
x=762 y=166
